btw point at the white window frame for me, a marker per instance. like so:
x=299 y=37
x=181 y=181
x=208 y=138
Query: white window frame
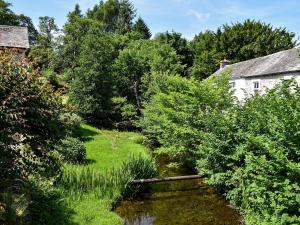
x=256 y=89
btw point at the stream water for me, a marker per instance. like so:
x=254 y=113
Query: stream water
x=187 y=202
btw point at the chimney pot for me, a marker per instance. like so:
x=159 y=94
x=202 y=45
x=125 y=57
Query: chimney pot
x=224 y=63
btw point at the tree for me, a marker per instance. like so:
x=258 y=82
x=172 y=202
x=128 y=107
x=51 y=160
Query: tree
x=125 y=17
x=206 y=58
x=237 y=42
x=136 y=64
x=182 y=112
x=47 y=27
x=179 y=44
x=8 y=17
x=141 y=27
x=92 y=88
x=75 y=31
x=43 y=52
x=116 y=16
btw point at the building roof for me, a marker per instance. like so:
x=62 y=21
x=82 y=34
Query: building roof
x=14 y=37
x=281 y=62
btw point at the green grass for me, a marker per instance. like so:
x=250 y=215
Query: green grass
x=107 y=151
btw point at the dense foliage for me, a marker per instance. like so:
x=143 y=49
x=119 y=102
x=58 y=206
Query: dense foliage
x=136 y=65
x=141 y=27
x=113 y=75
x=91 y=89
x=250 y=151
x=72 y=150
x=182 y=111
x=180 y=45
x=30 y=121
x=253 y=153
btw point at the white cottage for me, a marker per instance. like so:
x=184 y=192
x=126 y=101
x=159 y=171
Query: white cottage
x=256 y=75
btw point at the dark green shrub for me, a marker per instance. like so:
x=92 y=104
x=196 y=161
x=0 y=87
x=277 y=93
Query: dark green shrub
x=71 y=123
x=47 y=205
x=253 y=154
x=72 y=150
x=29 y=120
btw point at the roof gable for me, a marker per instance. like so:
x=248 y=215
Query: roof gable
x=281 y=62
x=14 y=37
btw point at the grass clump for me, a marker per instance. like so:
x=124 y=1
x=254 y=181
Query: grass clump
x=77 y=181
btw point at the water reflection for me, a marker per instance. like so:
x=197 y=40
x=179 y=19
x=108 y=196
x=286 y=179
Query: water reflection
x=188 y=202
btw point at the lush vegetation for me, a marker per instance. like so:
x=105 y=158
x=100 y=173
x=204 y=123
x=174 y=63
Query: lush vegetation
x=108 y=66
x=250 y=151
x=30 y=126
x=103 y=68
x=39 y=137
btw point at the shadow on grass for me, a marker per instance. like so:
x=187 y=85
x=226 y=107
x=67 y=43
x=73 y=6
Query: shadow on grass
x=84 y=132
x=89 y=161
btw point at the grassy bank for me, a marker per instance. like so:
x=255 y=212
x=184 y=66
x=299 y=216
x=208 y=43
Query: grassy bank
x=96 y=185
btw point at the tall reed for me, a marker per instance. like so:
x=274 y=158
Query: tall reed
x=77 y=181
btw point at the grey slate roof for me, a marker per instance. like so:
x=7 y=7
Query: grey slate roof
x=14 y=37
x=281 y=62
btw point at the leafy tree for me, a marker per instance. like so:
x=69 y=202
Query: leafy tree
x=91 y=89
x=180 y=44
x=125 y=17
x=237 y=42
x=141 y=27
x=47 y=27
x=206 y=58
x=75 y=31
x=8 y=17
x=43 y=52
x=116 y=16
x=136 y=63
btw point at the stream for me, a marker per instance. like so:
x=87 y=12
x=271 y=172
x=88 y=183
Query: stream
x=186 y=202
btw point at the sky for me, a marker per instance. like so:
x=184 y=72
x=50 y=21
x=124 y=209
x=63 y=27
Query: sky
x=188 y=17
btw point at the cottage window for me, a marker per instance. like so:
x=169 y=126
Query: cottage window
x=256 y=87
x=232 y=84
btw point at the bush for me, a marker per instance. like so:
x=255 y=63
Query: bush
x=183 y=111
x=72 y=150
x=71 y=123
x=30 y=124
x=253 y=154
x=47 y=205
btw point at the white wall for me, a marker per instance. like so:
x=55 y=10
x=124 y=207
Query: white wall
x=244 y=87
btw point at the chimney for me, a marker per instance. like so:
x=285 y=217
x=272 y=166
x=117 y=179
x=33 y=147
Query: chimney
x=224 y=63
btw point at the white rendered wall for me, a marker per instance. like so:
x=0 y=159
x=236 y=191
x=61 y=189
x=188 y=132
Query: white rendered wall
x=244 y=87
